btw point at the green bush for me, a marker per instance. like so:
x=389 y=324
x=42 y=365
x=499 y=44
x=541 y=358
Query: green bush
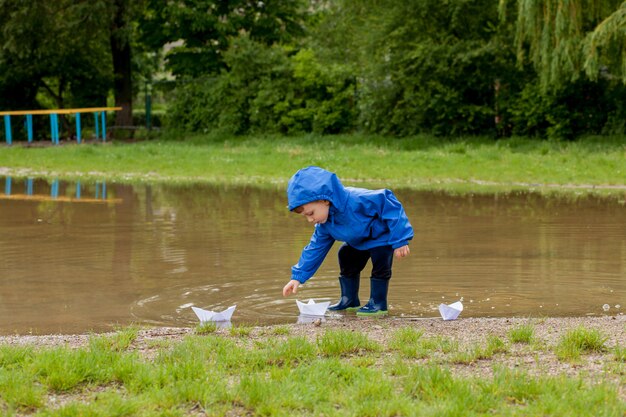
x=268 y=90
x=579 y=108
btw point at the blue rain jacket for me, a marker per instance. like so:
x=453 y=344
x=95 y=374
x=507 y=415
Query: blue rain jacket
x=364 y=219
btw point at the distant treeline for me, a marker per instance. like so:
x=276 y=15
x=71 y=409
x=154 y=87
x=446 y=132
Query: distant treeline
x=547 y=68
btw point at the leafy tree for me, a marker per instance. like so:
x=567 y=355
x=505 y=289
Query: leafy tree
x=198 y=32
x=53 y=48
x=63 y=53
x=565 y=39
x=425 y=65
x=605 y=47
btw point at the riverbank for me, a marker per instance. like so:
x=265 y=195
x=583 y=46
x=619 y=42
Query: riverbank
x=377 y=367
x=463 y=165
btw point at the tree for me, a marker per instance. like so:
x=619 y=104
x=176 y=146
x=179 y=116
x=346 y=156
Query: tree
x=566 y=39
x=605 y=47
x=198 y=32
x=121 y=54
x=422 y=66
x=54 y=49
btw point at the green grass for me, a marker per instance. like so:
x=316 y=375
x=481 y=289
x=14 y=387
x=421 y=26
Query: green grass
x=206 y=327
x=524 y=333
x=341 y=373
x=342 y=343
x=476 y=352
x=578 y=341
x=420 y=162
x=280 y=330
x=620 y=353
x=241 y=330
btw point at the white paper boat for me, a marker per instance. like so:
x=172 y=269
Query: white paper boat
x=312 y=308
x=207 y=315
x=452 y=311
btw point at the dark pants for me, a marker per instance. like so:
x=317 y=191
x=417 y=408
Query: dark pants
x=352 y=261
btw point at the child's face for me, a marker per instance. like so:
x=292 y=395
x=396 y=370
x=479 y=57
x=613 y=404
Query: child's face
x=316 y=211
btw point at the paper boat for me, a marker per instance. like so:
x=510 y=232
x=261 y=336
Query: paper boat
x=312 y=308
x=207 y=315
x=452 y=311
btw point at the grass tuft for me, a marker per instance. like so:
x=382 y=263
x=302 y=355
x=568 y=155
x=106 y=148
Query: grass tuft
x=524 y=333
x=281 y=330
x=344 y=343
x=205 y=327
x=620 y=353
x=578 y=341
x=15 y=356
x=118 y=342
x=241 y=331
x=407 y=341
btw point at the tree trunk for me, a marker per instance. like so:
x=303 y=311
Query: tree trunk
x=121 y=52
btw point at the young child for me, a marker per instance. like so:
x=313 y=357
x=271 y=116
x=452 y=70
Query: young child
x=371 y=223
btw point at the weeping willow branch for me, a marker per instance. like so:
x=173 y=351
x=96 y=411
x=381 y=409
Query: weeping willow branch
x=605 y=47
x=567 y=39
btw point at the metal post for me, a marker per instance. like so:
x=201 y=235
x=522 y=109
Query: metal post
x=95 y=115
x=104 y=126
x=29 y=127
x=104 y=190
x=7 y=128
x=54 y=128
x=29 y=186
x=78 y=190
x=7 y=185
x=78 y=127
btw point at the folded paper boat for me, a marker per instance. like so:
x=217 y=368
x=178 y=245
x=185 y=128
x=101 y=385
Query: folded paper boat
x=312 y=308
x=452 y=311
x=207 y=315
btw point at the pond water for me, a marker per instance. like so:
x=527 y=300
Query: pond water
x=82 y=257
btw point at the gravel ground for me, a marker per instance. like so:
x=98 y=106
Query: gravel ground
x=466 y=331
x=538 y=357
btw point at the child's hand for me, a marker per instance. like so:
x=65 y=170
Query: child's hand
x=402 y=251
x=291 y=287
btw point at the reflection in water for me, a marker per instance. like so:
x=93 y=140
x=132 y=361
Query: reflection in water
x=25 y=190
x=306 y=319
x=146 y=254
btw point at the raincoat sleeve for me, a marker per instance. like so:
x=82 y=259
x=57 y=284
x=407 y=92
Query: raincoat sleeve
x=400 y=230
x=312 y=256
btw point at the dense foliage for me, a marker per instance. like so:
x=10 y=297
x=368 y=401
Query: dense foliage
x=549 y=68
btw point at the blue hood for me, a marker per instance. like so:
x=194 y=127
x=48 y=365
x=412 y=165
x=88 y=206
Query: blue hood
x=312 y=184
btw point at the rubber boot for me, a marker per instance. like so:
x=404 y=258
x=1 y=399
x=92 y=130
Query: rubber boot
x=349 y=295
x=377 y=305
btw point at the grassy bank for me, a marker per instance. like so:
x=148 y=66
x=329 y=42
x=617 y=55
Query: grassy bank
x=594 y=164
x=470 y=367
